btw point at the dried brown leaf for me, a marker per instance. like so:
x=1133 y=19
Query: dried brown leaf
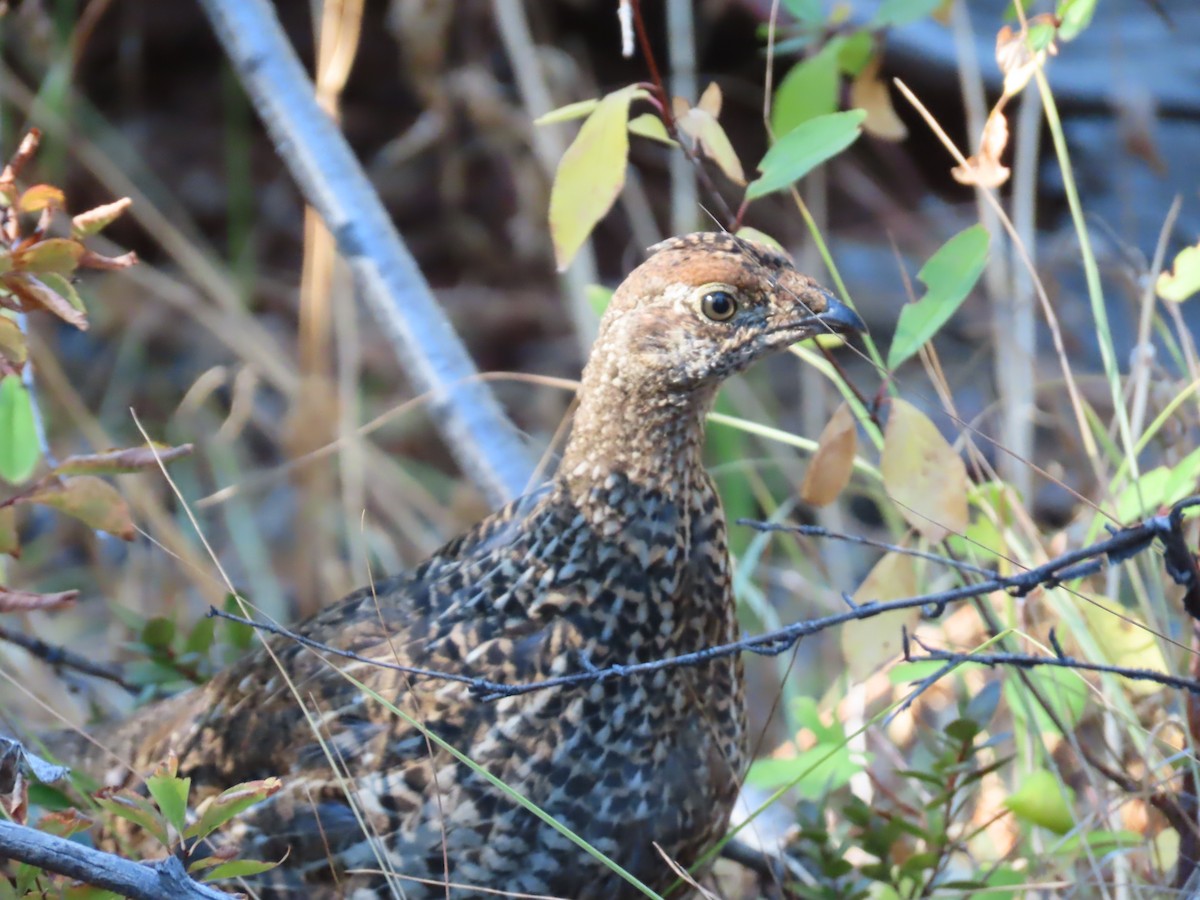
x=114 y=462
x=25 y=151
x=923 y=474
x=1016 y=58
x=27 y=601
x=984 y=168
x=869 y=92
x=94 y=260
x=829 y=472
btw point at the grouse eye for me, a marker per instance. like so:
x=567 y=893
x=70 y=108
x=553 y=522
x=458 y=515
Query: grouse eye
x=718 y=305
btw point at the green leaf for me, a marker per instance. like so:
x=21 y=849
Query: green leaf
x=598 y=297
x=948 y=277
x=1159 y=487
x=170 y=792
x=158 y=633
x=1074 y=16
x=238 y=868
x=963 y=730
x=200 y=638
x=1065 y=692
x=895 y=13
x=804 y=148
x=810 y=12
x=590 y=175
x=1040 y=801
x=825 y=766
x=216 y=811
x=982 y=706
x=63 y=287
x=855 y=52
x=138 y=810
x=809 y=90
x=1184 y=278
x=19 y=450
x=648 y=125
x=1098 y=843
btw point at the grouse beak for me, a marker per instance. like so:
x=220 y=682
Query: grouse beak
x=836 y=317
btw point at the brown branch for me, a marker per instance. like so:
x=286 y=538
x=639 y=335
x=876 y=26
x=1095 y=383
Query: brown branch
x=141 y=881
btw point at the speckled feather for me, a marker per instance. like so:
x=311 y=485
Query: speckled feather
x=621 y=558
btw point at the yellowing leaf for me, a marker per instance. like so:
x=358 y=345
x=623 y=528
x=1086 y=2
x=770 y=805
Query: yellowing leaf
x=1125 y=640
x=871 y=642
x=1040 y=801
x=58 y=255
x=568 y=112
x=590 y=175
x=648 y=125
x=40 y=196
x=829 y=472
x=701 y=124
x=923 y=474
x=710 y=100
x=12 y=342
x=9 y=540
x=1183 y=279
x=760 y=237
x=868 y=92
x=94 y=502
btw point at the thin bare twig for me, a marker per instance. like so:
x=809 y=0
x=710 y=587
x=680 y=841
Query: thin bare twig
x=476 y=431
x=1119 y=547
x=60 y=657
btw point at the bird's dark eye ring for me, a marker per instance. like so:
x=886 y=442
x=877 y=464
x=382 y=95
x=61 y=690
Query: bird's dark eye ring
x=718 y=305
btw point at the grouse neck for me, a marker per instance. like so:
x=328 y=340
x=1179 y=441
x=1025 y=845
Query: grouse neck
x=653 y=438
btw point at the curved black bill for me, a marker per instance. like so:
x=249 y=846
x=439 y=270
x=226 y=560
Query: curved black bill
x=837 y=316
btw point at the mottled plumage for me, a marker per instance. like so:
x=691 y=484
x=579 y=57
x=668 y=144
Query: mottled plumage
x=621 y=558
